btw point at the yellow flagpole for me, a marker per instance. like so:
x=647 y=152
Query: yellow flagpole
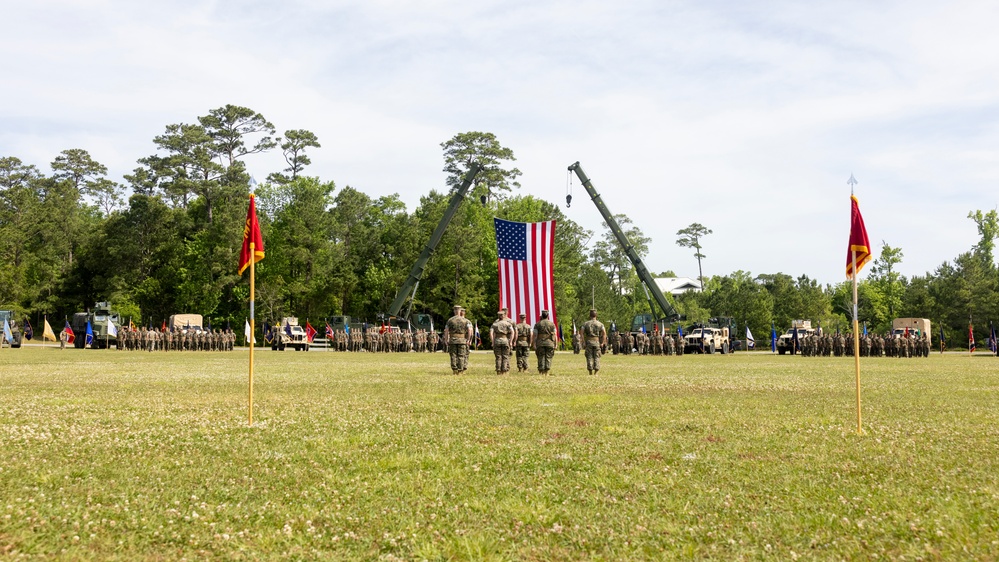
x=252 y=328
x=856 y=340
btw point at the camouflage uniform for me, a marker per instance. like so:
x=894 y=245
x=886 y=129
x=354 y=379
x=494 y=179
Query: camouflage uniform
x=456 y=334
x=544 y=343
x=594 y=334
x=500 y=334
x=523 y=343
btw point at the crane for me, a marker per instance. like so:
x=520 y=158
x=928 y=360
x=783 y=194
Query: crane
x=669 y=313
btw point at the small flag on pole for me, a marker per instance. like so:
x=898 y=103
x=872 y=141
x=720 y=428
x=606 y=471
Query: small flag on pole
x=251 y=234
x=90 y=334
x=971 y=338
x=47 y=333
x=28 y=332
x=249 y=336
x=773 y=338
x=858 y=241
x=112 y=329
x=7 y=335
x=70 y=336
x=310 y=332
x=751 y=341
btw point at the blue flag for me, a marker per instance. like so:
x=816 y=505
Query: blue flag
x=773 y=338
x=28 y=332
x=7 y=335
x=865 y=329
x=679 y=330
x=287 y=328
x=992 y=338
x=90 y=334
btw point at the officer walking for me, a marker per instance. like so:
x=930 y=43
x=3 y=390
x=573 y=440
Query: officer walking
x=594 y=336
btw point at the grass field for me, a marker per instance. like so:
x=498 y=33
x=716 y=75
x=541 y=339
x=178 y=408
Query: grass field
x=113 y=455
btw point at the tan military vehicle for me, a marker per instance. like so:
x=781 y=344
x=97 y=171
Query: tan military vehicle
x=916 y=327
x=289 y=334
x=182 y=323
x=785 y=343
x=706 y=340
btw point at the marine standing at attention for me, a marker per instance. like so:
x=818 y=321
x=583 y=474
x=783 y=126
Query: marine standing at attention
x=500 y=334
x=594 y=335
x=543 y=339
x=457 y=333
x=523 y=343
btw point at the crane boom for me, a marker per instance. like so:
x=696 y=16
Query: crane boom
x=416 y=273
x=643 y=272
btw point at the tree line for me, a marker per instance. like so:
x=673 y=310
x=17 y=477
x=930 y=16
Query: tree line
x=166 y=238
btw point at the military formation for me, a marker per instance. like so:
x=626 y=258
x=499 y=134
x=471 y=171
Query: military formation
x=642 y=343
x=153 y=339
x=383 y=340
x=871 y=345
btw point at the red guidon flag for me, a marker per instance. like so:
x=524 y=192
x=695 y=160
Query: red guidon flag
x=858 y=241
x=251 y=233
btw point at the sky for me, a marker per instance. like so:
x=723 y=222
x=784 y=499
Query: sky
x=746 y=117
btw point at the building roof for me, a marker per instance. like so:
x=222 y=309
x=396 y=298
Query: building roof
x=677 y=285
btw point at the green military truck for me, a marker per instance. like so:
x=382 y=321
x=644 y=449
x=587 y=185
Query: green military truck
x=15 y=329
x=100 y=319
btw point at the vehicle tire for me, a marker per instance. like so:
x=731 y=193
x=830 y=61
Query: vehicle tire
x=725 y=348
x=306 y=347
x=710 y=348
x=781 y=350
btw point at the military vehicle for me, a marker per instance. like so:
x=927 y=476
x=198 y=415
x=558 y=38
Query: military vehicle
x=100 y=319
x=341 y=322
x=914 y=327
x=706 y=339
x=289 y=334
x=786 y=343
x=183 y=323
x=15 y=329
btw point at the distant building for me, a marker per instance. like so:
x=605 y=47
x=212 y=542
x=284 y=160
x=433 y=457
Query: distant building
x=677 y=285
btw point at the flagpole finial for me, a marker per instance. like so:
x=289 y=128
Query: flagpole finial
x=852 y=182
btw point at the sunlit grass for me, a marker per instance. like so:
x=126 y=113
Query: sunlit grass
x=109 y=455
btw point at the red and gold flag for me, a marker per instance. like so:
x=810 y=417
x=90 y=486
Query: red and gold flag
x=858 y=241
x=251 y=234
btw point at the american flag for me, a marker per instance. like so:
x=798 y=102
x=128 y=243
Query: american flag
x=526 y=251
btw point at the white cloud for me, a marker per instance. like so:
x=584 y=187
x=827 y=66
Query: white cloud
x=747 y=118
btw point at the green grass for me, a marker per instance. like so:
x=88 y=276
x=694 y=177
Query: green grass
x=113 y=455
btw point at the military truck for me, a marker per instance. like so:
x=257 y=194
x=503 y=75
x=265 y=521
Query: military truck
x=182 y=323
x=916 y=327
x=786 y=343
x=100 y=319
x=705 y=339
x=15 y=329
x=289 y=334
